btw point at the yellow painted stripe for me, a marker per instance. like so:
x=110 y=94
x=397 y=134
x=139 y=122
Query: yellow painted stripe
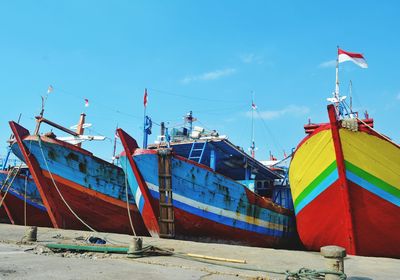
x=373 y=155
x=310 y=160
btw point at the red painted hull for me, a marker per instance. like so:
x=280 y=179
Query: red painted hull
x=321 y=223
x=34 y=216
x=99 y=211
x=192 y=227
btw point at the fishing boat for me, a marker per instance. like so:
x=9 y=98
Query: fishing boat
x=204 y=190
x=20 y=199
x=345 y=182
x=78 y=189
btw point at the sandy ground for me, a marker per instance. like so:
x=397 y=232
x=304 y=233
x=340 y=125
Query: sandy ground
x=23 y=260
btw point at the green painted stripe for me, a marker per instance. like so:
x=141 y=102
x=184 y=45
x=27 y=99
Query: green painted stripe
x=372 y=179
x=315 y=183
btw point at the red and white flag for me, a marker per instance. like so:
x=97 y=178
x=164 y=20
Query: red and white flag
x=357 y=58
x=86 y=102
x=253 y=106
x=145 y=97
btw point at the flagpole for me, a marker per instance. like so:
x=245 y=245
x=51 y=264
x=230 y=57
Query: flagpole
x=252 y=125
x=115 y=145
x=337 y=82
x=144 y=120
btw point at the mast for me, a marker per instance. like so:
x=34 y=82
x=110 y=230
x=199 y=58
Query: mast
x=80 y=128
x=115 y=145
x=336 y=93
x=253 y=144
x=351 y=96
x=144 y=120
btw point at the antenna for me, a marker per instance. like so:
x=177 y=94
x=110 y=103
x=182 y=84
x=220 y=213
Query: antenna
x=253 y=144
x=351 y=96
x=115 y=144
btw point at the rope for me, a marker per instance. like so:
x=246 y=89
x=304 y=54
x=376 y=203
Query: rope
x=55 y=185
x=26 y=182
x=12 y=181
x=65 y=202
x=127 y=203
x=380 y=134
x=301 y=274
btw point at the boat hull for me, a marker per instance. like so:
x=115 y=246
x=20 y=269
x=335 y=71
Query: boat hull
x=211 y=207
x=76 y=186
x=346 y=191
x=24 y=209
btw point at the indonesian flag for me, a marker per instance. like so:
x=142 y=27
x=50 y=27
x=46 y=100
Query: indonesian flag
x=50 y=89
x=357 y=58
x=253 y=105
x=145 y=97
x=86 y=102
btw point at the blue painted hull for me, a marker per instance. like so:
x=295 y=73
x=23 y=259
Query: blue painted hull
x=210 y=206
x=72 y=178
x=24 y=202
x=84 y=170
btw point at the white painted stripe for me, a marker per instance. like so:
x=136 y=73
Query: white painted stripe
x=221 y=211
x=138 y=195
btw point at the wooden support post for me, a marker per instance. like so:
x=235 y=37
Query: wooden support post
x=166 y=220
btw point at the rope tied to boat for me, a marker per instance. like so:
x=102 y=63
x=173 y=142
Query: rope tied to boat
x=6 y=184
x=127 y=203
x=380 y=134
x=66 y=203
x=58 y=191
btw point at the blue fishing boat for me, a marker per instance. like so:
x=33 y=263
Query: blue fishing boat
x=78 y=189
x=205 y=190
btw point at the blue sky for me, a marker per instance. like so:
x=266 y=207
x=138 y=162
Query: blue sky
x=205 y=56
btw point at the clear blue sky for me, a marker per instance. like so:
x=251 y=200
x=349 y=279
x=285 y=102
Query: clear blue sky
x=205 y=56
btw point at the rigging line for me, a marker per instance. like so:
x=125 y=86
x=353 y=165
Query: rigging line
x=382 y=135
x=233 y=108
x=25 y=185
x=195 y=98
x=269 y=131
x=98 y=103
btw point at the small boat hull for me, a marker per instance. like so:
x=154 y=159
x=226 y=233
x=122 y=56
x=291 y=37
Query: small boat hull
x=24 y=209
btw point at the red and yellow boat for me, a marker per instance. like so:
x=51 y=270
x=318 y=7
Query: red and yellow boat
x=345 y=183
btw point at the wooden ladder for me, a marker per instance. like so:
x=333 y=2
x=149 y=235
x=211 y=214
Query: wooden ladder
x=166 y=219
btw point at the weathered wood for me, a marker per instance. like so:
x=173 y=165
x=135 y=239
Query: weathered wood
x=166 y=219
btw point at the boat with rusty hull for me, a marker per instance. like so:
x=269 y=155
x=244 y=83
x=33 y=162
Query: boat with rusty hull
x=181 y=198
x=22 y=203
x=78 y=189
